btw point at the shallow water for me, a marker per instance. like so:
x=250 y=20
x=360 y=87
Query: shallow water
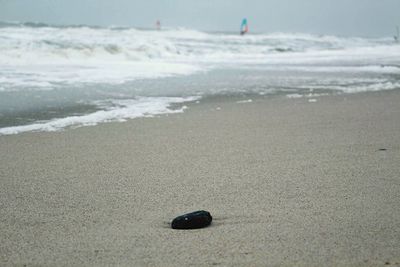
x=56 y=77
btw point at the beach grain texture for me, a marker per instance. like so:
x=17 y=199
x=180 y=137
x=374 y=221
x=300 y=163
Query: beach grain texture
x=288 y=183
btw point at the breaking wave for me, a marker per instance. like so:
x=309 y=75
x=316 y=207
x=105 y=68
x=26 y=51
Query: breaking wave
x=59 y=76
x=44 y=56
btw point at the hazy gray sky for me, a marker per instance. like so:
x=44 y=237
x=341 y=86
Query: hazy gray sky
x=344 y=17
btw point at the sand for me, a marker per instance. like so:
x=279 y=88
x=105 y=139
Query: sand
x=288 y=182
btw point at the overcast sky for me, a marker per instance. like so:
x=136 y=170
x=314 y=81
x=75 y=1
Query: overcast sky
x=342 y=17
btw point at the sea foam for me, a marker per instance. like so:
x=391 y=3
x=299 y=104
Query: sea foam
x=112 y=110
x=44 y=56
x=47 y=69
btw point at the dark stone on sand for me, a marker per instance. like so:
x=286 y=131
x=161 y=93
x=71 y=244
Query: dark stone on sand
x=194 y=220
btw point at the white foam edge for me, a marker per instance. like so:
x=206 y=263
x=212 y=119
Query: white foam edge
x=121 y=111
x=294 y=96
x=244 y=101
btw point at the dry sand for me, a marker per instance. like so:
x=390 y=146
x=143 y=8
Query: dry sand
x=287 y=181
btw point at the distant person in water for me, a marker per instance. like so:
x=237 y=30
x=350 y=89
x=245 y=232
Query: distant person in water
x=158 y=25
x=244 y=28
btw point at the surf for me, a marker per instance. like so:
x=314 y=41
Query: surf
x=60 y=76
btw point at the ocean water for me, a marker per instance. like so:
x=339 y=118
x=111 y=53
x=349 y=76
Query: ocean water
x=58 y=77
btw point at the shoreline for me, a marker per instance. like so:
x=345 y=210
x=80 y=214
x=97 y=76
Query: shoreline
x=287 y=182
x=176 y=105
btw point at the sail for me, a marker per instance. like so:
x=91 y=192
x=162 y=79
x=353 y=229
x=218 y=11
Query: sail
x=244 y=28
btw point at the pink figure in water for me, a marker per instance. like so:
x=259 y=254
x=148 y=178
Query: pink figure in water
x=158 y=25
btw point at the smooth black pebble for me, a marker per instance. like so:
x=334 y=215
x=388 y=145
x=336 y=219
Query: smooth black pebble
x=193 y=220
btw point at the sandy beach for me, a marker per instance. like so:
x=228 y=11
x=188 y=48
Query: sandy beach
x=288 y=182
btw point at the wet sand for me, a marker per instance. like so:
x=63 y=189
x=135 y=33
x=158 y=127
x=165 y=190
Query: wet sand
x=288 y=182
